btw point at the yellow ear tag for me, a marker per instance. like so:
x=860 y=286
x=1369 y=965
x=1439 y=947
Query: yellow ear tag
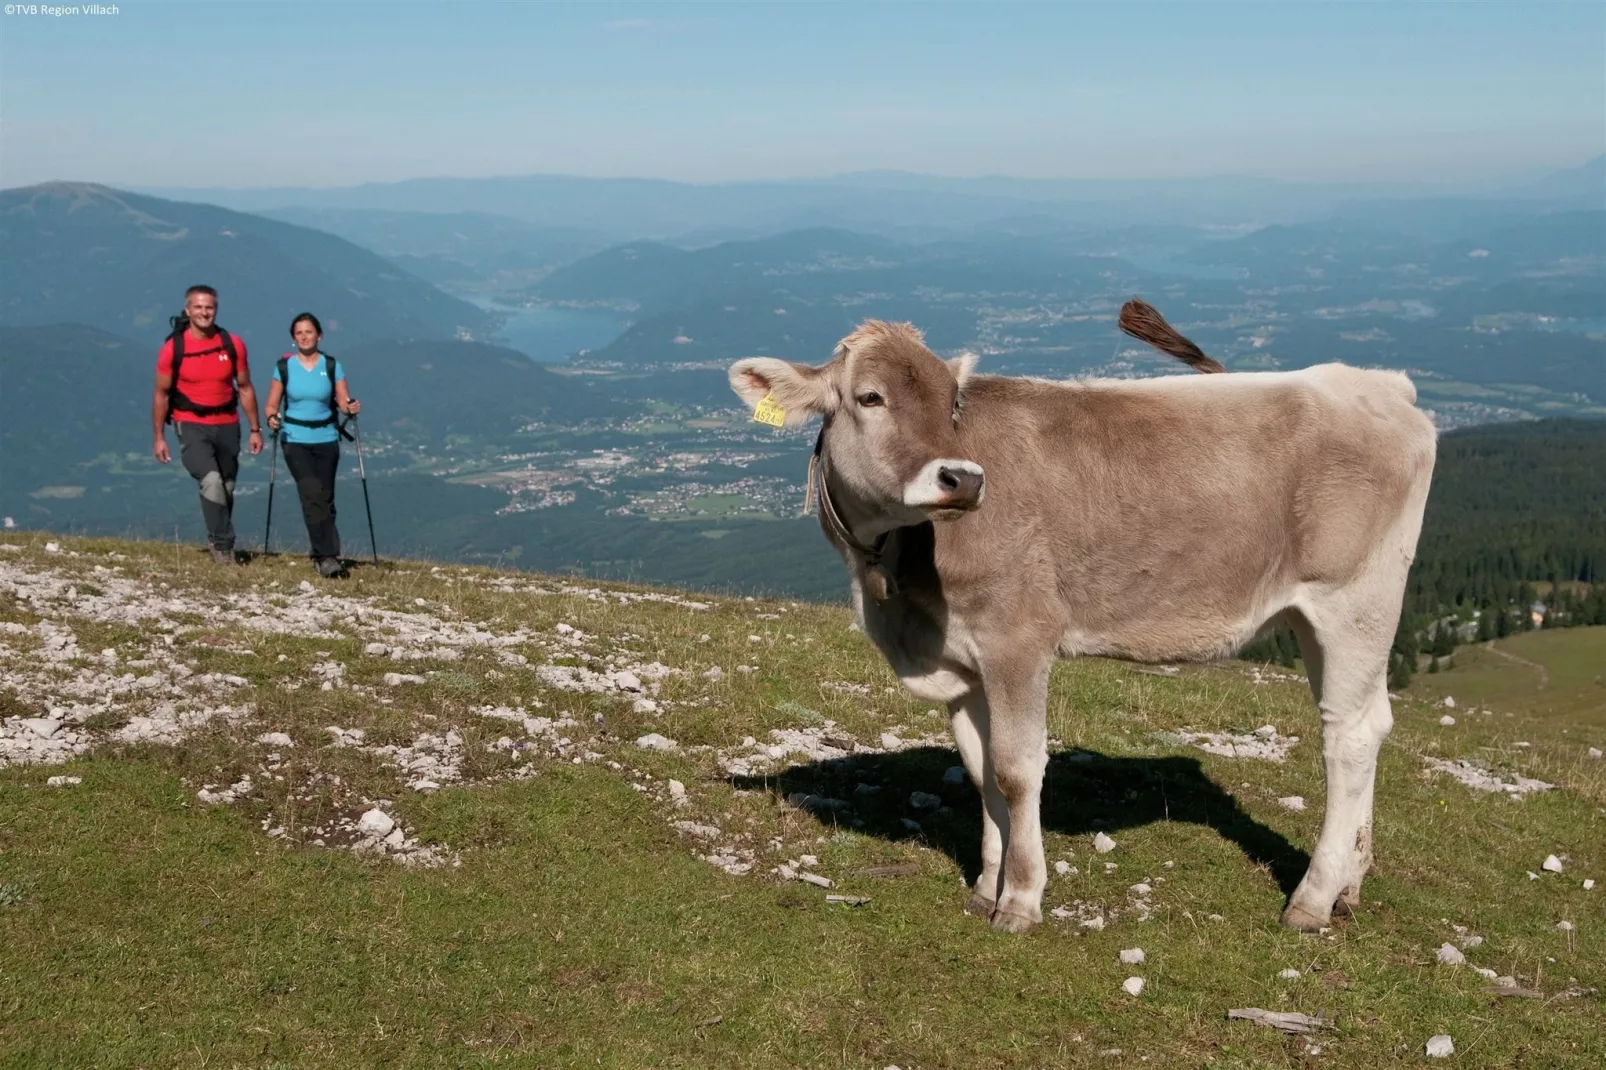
x=770 y=412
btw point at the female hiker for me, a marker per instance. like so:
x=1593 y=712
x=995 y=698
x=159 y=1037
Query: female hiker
x=306 y=397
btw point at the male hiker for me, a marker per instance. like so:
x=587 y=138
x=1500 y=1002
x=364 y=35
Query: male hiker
x=202 y=379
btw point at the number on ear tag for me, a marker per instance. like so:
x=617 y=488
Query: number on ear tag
x=770 y=412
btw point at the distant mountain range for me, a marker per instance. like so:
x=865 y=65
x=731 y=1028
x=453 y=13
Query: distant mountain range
x=892 y=203
x=78 y=253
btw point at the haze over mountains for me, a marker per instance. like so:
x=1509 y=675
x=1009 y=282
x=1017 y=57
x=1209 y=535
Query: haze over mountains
x=632 y=458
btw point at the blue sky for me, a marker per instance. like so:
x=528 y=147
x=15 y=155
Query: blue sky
x=331 y=93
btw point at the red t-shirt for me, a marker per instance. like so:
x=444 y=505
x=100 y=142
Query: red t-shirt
x=205 y=376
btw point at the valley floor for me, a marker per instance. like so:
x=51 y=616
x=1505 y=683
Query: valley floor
x=444 y=816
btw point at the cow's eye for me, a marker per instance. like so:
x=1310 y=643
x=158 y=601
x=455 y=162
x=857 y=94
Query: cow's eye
x=869 y=399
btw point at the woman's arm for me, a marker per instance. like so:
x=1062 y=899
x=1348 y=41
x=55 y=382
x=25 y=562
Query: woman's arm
x=348 y=404
x=275 y=396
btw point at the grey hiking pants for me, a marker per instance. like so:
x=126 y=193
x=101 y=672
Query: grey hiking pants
x=211 y=453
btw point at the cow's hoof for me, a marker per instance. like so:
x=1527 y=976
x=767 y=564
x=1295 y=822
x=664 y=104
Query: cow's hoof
x=1349 y=903
x=980 y=905
x=1306 y=921
x=1007 y=921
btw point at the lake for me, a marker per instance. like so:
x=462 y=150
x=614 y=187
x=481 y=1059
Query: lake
x=547 y=334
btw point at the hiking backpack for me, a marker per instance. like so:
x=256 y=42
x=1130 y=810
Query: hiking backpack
x=282 y=373
x=175 y=399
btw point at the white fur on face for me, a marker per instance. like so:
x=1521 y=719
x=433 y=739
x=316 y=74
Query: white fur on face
x=924 y=491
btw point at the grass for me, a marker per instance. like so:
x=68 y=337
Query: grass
x=139 y=927
x=1556 y=676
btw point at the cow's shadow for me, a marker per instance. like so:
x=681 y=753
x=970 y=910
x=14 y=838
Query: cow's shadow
x=1084 y=792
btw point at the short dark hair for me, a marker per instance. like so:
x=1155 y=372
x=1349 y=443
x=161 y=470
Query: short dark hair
x=199 y=289
x=306 y=317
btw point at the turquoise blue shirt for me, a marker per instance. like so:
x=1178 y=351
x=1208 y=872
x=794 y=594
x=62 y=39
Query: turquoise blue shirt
x=306 y=397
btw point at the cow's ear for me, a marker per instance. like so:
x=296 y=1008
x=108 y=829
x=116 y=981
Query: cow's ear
x=799 y=390
x=962 y=366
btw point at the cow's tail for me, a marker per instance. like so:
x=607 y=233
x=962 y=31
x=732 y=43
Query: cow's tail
x=1140 y=320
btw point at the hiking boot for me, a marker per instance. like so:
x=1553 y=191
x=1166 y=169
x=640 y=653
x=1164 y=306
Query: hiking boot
x=330 y=567
x=223 y=557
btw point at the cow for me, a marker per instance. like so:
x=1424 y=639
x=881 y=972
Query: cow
x=991 y=523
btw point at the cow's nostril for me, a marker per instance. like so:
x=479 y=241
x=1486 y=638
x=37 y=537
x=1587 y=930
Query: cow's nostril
x=947 y=480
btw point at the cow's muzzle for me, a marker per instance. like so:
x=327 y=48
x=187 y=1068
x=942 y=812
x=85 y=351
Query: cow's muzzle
x=947 y=489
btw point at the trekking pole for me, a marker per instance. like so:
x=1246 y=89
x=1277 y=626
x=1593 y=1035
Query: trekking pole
x=273 y=471
x=362 y=474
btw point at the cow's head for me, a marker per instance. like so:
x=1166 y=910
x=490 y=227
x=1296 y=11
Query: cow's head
x=892 y=410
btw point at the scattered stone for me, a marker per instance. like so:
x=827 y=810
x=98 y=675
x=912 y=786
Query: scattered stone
x=714 y=675
x=1288 y=975
x=1133 y=956
x=1062 y=867
x=815 y=879
x=677 y=791
x=1449 y=702
x=1594 y=752
x=1564 y=926
x=376 y=823
x=1263 y=744
x=63 y=781
x=1295 y=803
x=848 y=900
x=1589 y=884
x=1103 y=844
x=1440 y=1046
x=275 y=739
x=43 y=727
x=920 y=800
x=890 y=741
x=654 y=741
x=378 y=650
x=1140 y=889
x=955 y=774
x=1447 y=720
x=1552 y=864
x=1480 y=779
x=1133 y=986
x=396 y=679
x=1470 y=942
x=1450 y=956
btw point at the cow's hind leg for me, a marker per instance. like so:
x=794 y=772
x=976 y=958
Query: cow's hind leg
x=970 y=724
x=1346 y=657
x=1017 y=752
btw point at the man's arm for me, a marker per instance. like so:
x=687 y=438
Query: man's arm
x=248 y=398
x=160 y=399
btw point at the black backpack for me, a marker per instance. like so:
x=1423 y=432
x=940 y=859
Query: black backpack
x=282 y=373
x=175 y=399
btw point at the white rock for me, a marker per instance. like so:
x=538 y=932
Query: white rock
x=43 y=727
x=425 y=786
x=654 y=741
x=1295 y=803
x=376 y=823
x=1471 y=942
x=377 y=649
x=627 y=681
x=1486 y=972
x=276 y=739
x=1449 y=703
x=1532 y=875
x=396 y=679
x=920 y=800
x=1103 y=844
x=677 y=791
x=714 y=675
x=1133 y=986
x=1564 y=926
x=1096 y=924
x=890 y=741
x=1267 y=731
x=955 y=774
x=1133 y=956
x=1447 y=720
x=1062 y=867
x=1140 y=889
x=1552 y=864
x=52 y=547
x=1440 y=1047
x=1589 y=884
x=1289 y=975
x=63 y=781
x=563 y=629
x=1450 y=955
x=1594 y=752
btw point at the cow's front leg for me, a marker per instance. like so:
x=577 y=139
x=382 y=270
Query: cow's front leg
x=970 y=724
x=1017 y=752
